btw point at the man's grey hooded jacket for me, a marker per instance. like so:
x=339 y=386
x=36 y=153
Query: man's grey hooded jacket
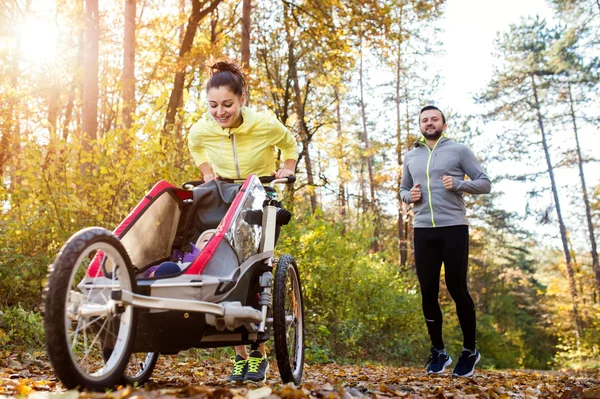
x=439 y=207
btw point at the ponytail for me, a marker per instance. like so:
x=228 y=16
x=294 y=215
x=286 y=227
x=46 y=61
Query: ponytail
x=226 y=73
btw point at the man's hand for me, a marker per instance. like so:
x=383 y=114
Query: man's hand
x=448 y=183
x=415 y=193
x=283 y=172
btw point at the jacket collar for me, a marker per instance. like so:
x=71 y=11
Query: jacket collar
x=421 y=142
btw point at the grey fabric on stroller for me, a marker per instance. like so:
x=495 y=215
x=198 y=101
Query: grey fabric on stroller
x=210 y=204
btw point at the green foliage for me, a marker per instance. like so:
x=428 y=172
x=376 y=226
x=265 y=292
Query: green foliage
x=357 y=305
x=21 y=328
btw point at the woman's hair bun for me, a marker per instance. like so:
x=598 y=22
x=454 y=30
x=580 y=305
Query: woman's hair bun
x=226 y=73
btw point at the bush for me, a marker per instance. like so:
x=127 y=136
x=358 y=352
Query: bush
x=358 y=305
x=21 y=328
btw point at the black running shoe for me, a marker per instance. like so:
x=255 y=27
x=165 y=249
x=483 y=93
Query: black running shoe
x=466 y=363
x=240 y=366
x=257 y=367
x=437 y=362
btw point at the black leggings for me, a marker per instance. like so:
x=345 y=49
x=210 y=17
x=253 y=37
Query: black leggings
x=449 y=245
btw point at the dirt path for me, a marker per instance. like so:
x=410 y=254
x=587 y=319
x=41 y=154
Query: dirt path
x=177 y=377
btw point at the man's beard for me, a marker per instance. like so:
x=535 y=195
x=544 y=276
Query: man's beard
x=433 y=135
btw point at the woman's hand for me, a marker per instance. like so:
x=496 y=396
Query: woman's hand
x=208 y=177
x=283 y=172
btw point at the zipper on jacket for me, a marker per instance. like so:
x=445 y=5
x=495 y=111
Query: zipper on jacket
x=235 y=158
x=428 y=180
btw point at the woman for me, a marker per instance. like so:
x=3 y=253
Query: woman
x=233 y=142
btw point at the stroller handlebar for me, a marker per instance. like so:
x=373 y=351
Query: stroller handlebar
x=189 y=185
x=273 y=180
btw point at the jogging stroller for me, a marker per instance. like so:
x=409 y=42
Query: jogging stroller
x=107 y=317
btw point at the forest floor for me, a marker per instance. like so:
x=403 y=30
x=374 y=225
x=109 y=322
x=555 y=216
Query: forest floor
x=30 y=375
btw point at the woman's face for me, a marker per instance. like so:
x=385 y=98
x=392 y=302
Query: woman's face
x=225 y=106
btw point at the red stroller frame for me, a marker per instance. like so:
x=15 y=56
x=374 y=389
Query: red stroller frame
x=102 y=311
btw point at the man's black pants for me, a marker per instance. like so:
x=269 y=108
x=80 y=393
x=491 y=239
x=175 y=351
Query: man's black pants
x=448 y=245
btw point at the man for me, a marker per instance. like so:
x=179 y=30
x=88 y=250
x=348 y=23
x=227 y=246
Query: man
x=433 y=180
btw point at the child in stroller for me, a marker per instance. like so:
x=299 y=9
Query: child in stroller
x=174 y=267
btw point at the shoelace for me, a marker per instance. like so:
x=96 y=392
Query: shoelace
x=253 y=363
x=432 y=358
x=238 y=367
x=429 y=361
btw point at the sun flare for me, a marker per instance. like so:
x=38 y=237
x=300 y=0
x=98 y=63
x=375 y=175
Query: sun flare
x=38 y=40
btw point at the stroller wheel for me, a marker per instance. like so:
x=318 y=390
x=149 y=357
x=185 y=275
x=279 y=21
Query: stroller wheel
x=140 y=368
x=89 y=335
x=288 y=320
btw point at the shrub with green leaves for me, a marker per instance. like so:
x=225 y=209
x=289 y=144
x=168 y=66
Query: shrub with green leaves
x=21 y=328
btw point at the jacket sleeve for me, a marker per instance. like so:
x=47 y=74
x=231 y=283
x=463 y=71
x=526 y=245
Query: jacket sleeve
x=283 y=139
x=480 y=182
x=406 y=184
x=196 y=145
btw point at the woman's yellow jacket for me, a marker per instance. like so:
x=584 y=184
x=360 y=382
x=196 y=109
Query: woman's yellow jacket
x=235 y=153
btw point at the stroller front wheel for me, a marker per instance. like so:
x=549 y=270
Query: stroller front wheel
x=288 y=320
x=140 y=368
x=88 y=334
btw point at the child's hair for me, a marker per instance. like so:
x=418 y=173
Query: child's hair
x=205 y=238
x=226 y=73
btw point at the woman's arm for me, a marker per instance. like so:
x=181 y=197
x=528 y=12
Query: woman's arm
x=207 y=172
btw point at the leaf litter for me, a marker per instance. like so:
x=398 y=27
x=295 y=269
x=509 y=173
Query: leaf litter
x=31 y=376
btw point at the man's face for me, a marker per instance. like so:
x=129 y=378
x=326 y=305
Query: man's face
x=432 y=124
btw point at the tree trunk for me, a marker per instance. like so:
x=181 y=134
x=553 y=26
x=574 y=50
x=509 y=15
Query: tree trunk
x=340 y=157
x=174 y=100
x=69 y=112
x=365 y=133
x=129 y=67
x=304 y=134
x=299 y=108
x=372 y=205
x=401 y=236
x=563 y=230
x=90 y=73
x=247 y=6
x=214 y=24
x=586 y=201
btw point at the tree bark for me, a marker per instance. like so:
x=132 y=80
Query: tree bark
x=198 y=13
x=563 y=230
x=365 y=133
x=90 y=73
x=246 y=22
x=340 y=158
x=69 y=112
x=298 y=102
x=586 y=201
x=401 y=238
x=372 y=205
x=305 y=138
x=129 y=66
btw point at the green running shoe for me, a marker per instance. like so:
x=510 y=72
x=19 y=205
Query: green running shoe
x=240 y=367
x=257 y=367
